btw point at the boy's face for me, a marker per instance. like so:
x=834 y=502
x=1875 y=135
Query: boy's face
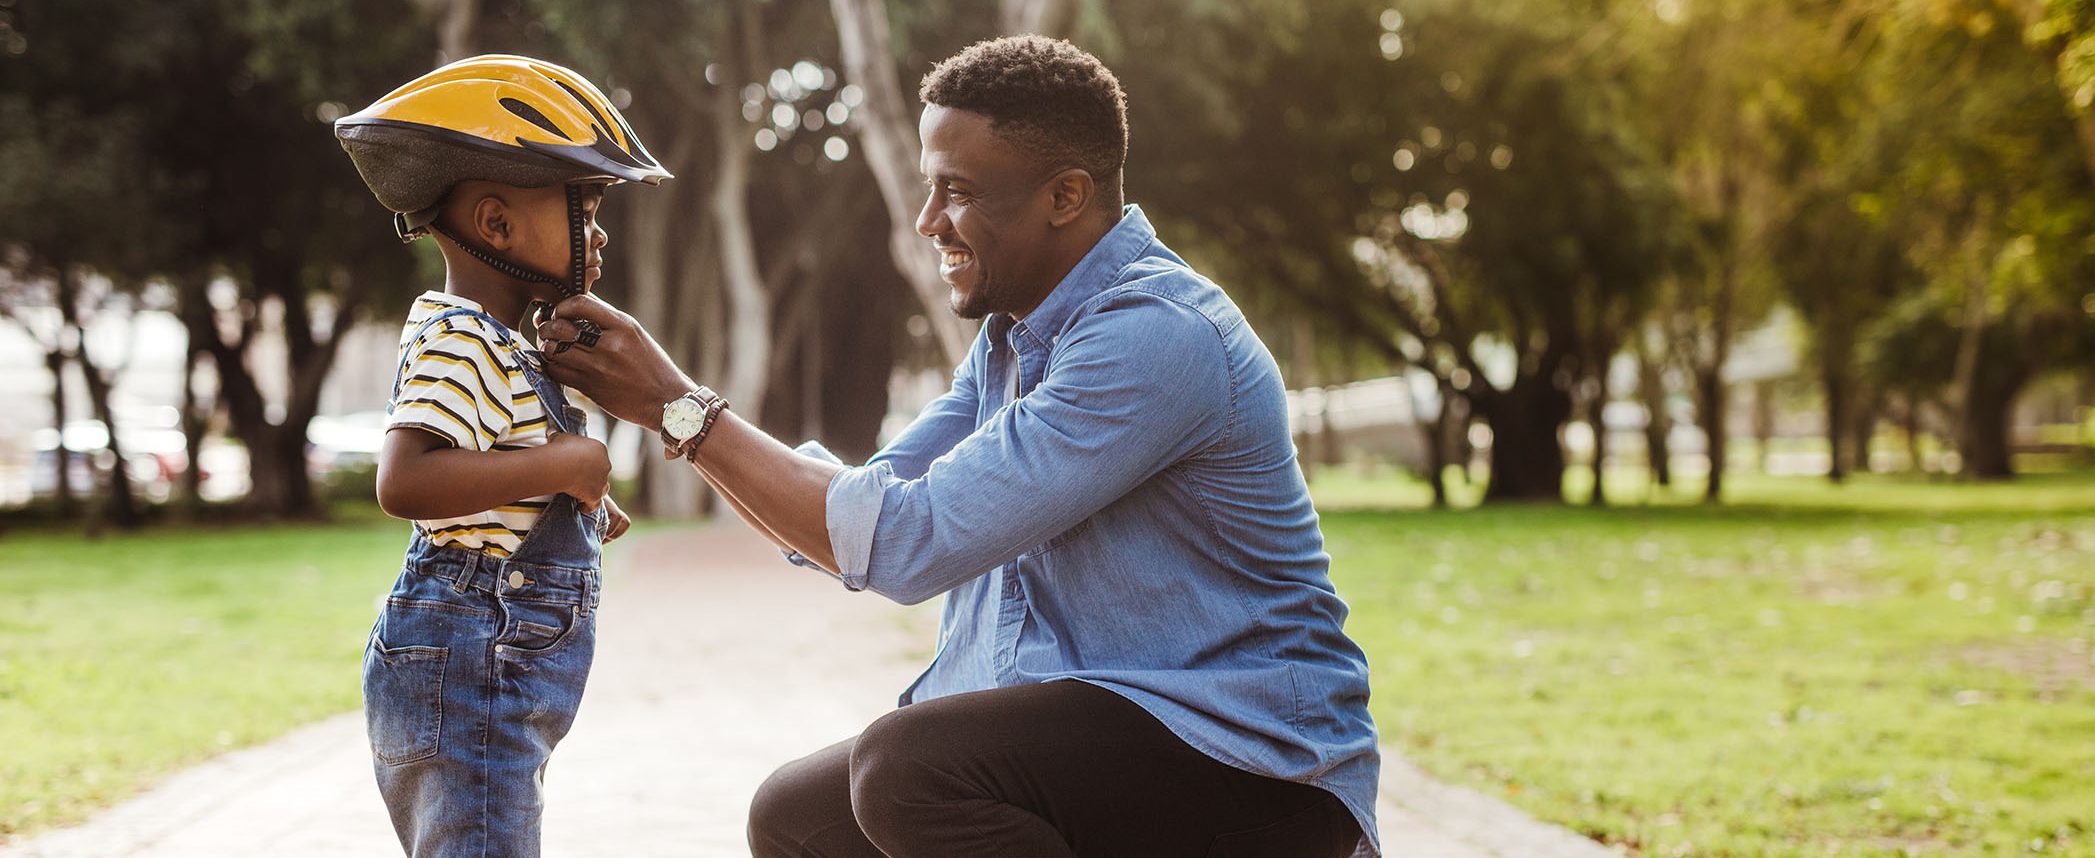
x=529 y=226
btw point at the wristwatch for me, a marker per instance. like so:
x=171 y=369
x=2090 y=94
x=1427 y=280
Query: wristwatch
x=686 y=419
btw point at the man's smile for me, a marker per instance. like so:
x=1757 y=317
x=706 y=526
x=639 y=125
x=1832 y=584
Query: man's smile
x=952 y=260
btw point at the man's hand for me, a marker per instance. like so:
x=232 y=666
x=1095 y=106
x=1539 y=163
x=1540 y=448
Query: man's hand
x=626 y=372
x=617 y=522
x=584 y=465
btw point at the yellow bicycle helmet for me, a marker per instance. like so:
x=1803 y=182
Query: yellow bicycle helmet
x=500 y=118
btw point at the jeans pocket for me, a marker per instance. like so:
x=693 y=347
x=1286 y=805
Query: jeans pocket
x=1325 y=829
x=536 y=628
x=404 y=700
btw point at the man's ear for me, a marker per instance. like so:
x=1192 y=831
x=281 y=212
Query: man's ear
x=491 y=222
x=1070 y=196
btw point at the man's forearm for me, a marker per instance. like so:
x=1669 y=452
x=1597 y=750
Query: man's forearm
x=742 y=512
x=784 y=493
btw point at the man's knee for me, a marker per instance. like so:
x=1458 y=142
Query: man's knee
x=897 y=767
x=797 y=801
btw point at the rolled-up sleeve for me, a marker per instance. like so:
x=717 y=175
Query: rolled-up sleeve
x=853 y=504
x=1135 y=385
x=812 y=450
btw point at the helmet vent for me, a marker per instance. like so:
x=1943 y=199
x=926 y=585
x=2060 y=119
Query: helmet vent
x=602 y=124
x=530 y=114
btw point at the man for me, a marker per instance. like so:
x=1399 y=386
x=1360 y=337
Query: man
x=1141 y=652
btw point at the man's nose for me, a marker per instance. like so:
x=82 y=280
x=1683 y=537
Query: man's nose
x=931 y=219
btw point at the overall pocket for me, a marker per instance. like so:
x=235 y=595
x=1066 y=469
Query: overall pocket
x=536 y=628
x=404 y=700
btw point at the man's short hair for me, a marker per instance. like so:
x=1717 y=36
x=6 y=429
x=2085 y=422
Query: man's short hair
x=1046 y=96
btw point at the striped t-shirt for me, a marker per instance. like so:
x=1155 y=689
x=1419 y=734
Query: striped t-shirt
x=460 y=383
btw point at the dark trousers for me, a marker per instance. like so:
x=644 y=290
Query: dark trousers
x=1058 y=769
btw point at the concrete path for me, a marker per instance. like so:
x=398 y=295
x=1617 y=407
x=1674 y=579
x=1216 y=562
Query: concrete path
x=715 y=664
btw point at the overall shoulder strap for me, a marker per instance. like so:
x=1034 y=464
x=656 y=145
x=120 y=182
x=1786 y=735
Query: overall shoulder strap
x=407 y=350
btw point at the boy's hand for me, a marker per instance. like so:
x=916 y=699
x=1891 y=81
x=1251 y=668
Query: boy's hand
x=617 y=522
x=587 y=464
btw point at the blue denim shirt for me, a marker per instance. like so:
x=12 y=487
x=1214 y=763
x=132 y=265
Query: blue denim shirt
x=1109 y=493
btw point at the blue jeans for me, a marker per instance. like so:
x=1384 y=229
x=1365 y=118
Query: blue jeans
x=469 y=683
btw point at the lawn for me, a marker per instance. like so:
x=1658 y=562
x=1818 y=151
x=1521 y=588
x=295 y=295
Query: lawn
x=124 y=658
x=1893 y=667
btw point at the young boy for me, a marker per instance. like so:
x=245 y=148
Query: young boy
x=477 y=663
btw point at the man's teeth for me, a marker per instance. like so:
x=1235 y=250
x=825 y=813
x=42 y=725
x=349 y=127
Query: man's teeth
x=956 y=257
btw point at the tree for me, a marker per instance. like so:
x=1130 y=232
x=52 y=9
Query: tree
x=1472 y=203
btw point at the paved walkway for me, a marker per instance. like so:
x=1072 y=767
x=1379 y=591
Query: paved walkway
x=715 y=664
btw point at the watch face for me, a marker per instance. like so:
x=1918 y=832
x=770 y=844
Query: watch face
x=681 y=417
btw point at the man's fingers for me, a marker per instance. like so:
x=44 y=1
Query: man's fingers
x=589 y=307
x=557 y=330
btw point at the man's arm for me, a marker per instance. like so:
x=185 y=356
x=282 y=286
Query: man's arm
x=1145 y=382
x=778 y=491
x=1138 y=386
x=630 y=376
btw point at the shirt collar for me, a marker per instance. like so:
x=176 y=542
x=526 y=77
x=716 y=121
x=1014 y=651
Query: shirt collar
x=1126 y=242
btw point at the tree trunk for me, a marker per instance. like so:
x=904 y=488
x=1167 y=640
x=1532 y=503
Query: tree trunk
x=457 y=27
x=284 y=487
x=67 y=503
x=1711 y=352
x=1436 y=437
x=280 y=485
x=1658 y=424
x=1527 y=456
x=1983 y=440
x=118 y=505
x=887 y=134
x=1763 y=422
x=195 y=420
x=1862 y=429
x=665 y=234
x=1965 y=383
x=1833 y=377
x=1046 y=17
x=1909 y=421
x=1597 y=408
x=1710 y=400
x=749 y=308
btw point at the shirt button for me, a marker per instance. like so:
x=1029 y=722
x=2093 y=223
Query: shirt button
x=516 y=580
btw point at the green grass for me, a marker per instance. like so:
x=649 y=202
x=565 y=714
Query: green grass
x=1892 y=667
x=127 y=657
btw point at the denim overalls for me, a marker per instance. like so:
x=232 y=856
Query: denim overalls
x=476 y=666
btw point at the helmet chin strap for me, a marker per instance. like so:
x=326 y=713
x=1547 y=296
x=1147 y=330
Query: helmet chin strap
x=577 y=251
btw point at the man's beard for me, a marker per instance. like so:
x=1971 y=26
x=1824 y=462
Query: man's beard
x=976 y=305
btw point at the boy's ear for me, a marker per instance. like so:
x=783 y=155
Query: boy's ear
x=491 y=222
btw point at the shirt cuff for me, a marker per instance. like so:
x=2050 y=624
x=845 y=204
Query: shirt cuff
x=855 y=498
x=812 y=450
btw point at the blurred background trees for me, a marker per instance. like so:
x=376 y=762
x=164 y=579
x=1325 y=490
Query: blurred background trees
x=1562 y=227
